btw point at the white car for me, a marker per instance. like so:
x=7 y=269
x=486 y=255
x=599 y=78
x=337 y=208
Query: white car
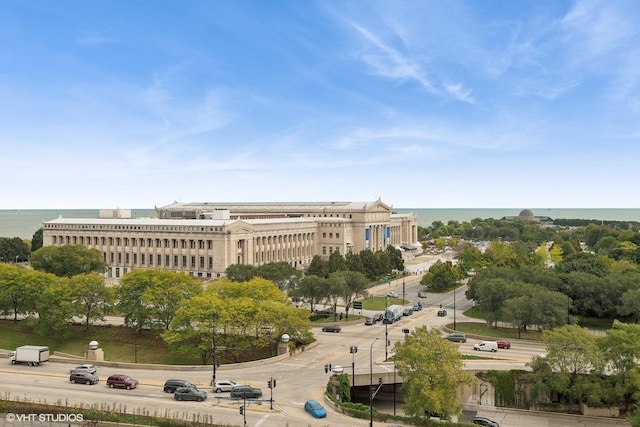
x=87 y=367
x=223 y=385
x=392 y=294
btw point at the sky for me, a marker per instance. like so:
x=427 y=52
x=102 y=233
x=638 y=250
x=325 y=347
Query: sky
x=422 y=104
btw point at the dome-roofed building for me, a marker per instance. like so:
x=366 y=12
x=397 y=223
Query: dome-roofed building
x=527 y=214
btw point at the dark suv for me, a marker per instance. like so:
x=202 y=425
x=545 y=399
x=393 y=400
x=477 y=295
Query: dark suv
x=456 y=337
x=482 y=421
x=83 y=378
x=122 y=381
x=189 y=393
x=246 y=392
x=170 y=386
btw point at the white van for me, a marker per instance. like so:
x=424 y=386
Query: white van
x=486 y=346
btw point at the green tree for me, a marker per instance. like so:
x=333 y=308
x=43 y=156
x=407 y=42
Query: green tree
x=13 y=249
x=240 y=272
x=52 y=304
x=68 y=260
x=355 y=286
x=432 y=370
x=313 y=289
x=283 y=274
x=621 y=351
x=572 y=352
x=395 y=257
x=336 y=263
x=317 y=267
x=442 y=276
x=36 y=240
x=90 y=296
x=631 y=304
x=14 y=295
x=235 y=311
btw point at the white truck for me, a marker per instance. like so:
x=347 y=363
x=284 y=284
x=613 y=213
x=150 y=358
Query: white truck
x=32 y=355
x=392 y=313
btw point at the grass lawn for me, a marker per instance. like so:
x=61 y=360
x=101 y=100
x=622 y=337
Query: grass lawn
x=488 y=331
x=379 y=303
x=118 y=343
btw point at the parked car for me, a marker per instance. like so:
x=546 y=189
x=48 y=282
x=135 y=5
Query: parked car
x=422 y=294
x=442 y=312
x=417 y=306
x=482 y=421
x=83 y=378
x=190 y=393
x=408 y=311
x=378 y=317
x=331 y=328
x=246 y=392
x=392 y=294
x=223 y=385
x=456 y=337
x=121 y=381
x=504 y=344
x=170 y=386
x=315 y=409
x=370 y=321
x=87 y=367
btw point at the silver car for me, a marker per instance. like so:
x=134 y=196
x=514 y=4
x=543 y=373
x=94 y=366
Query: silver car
x=223 y=385
x=87 y=367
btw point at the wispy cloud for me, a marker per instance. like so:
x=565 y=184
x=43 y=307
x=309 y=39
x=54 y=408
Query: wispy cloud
x=389 y=62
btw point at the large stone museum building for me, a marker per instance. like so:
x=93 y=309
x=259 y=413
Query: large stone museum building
x=203 y=239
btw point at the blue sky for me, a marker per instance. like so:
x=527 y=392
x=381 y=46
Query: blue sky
x=443 y=104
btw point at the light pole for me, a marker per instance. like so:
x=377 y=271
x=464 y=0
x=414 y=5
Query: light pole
x=386 y=328
x=454 y=306
x=353 y=350
x=403 y=286
x=371 y=383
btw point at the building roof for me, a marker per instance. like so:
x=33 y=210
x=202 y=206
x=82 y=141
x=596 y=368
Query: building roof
x=176 y=222
x=266 y=207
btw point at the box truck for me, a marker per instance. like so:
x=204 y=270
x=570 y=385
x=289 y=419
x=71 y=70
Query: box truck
x=32 y=355
x=392 y=313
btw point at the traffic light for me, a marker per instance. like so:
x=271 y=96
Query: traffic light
x=218 y=361
x=269 y=384
x=242 y=410
x=274 y=383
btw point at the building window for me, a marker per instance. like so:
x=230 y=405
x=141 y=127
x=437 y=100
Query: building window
x=324 y=250
x=167 y=261
x=184 y=260
x=159 y=259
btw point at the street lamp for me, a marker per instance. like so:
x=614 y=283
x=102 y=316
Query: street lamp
x=454 y=306
x=353 y=350
x=386 y=329
x=371 y=383
x=403 y=274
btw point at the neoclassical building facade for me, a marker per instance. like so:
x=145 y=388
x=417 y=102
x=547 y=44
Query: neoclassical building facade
x=203 y=239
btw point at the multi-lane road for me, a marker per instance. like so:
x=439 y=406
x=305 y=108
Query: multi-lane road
x=298 y=378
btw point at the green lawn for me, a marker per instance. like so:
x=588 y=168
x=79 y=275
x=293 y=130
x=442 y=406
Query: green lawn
x=379 y=303
x=118 y=343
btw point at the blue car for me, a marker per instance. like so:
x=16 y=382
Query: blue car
x=315 y=409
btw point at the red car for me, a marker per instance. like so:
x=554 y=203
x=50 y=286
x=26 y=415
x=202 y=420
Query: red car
x=504 y=344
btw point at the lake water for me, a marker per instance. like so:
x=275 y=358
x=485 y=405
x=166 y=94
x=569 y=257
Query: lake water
x=23 y=223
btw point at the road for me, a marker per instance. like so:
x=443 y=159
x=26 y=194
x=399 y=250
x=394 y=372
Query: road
x=298 y=378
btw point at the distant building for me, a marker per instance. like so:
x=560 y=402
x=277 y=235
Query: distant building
x=527 y=214
x=203 y=239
